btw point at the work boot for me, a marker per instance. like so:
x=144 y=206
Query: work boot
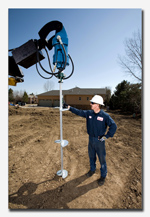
x=90 y=173
x=101 y=181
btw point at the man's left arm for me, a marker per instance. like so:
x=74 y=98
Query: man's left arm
x=112 y=127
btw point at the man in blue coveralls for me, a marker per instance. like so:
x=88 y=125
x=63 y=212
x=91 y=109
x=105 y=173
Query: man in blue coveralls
x=97 y=121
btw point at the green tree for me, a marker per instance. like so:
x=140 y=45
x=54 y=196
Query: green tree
x=119 y=98
x=108 y=96
x=127 y=97
x=10 y=95
x=134 y=96
x=25 y=97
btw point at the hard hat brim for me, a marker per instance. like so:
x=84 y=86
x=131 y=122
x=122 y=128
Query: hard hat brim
x=96 y=102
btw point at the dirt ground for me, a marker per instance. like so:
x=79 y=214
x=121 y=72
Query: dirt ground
x=34 y=159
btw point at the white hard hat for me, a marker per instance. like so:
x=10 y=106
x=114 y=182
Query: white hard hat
x=97 y=99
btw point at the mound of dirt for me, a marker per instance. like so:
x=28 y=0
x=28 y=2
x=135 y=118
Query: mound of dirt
x=34 y=159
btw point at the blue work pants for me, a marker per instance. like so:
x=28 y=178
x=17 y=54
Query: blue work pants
x=97 y=147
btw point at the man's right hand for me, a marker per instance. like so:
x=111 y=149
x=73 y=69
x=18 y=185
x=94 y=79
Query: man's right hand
x=66 y=106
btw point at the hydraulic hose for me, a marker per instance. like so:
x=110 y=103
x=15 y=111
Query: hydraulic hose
x=48 y=60
x=72 y=68
x=52 y=73
x=42 y=75
x=37 y=54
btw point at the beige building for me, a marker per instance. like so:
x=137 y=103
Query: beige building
x=76 y=97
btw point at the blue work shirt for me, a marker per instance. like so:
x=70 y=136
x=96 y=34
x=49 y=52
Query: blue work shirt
x=97 y=122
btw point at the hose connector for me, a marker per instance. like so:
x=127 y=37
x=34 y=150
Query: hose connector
x=59 y=39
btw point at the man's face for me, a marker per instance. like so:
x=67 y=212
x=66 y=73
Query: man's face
x=94 y=106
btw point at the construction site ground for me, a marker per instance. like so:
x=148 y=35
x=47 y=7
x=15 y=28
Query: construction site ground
x=35 y=158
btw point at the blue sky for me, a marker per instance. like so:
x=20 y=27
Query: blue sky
x=96 y=38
